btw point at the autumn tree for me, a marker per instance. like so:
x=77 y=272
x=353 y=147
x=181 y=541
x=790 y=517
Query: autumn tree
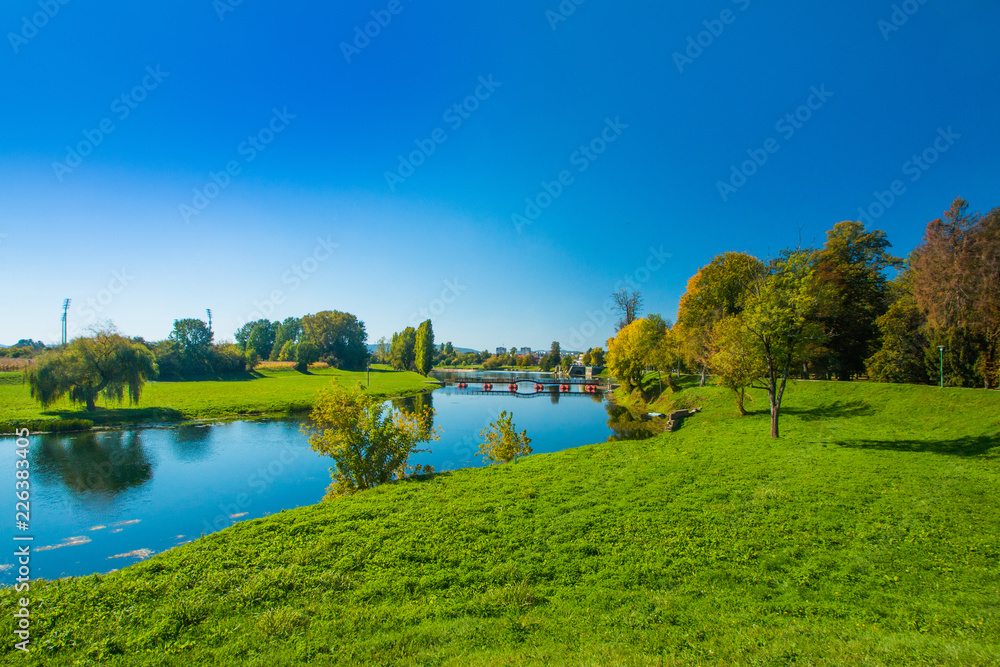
x=736 y=358
x=956 y=283
x=369 y=441
x=423 y=349
x=716 y=291
x=629 y=304
x=503 y=442
x=636 y=348
x=106 y=364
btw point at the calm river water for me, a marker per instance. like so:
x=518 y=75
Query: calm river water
x=101 y=501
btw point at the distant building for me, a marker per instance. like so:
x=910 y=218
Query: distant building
x=525 y=350
x=501 y=351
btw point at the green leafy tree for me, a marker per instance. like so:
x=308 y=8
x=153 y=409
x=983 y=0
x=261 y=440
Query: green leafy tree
x=403 y=351
x=588 y=359
x=597 y=356
x=193 y=341
x=503 y=442
x=382 y=351
x=423 y=348
x=106 y=364
x=306 y=352
x=340 y=337
x=284 y=333
x=262 y=339
x=243 y=333
x=852 y=265
x=288 y=351
x=369 y=441
x=779 y=315
x=902 y=330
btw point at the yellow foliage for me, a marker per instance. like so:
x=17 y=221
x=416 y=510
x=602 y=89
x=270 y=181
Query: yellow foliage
x=503 y=442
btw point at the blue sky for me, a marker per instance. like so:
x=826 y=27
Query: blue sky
x=246 y=165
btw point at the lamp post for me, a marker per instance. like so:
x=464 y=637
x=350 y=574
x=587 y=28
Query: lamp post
x=941 y=350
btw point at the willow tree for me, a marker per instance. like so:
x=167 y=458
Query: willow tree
x=106 y=364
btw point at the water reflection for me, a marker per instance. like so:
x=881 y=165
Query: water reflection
x=102 y=463
x=192 y=443
x=628 y=425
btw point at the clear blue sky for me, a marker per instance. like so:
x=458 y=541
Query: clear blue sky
x=446 y=229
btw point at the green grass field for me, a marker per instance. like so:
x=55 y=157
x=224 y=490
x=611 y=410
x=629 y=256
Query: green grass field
x=265 y=393
x=867 y=535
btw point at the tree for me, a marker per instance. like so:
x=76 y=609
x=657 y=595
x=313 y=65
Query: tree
x=629 y=304
x=306 y=352
x=902 y=330
x=633 y=350
x=284 y=333
x=956 y=284
x=588 y=359
x=778 y=315
x=853 y=265
x=369 y=441
x=341 y=338
x=403 y=348
x=555 y=353
x=381 y=353
x=597 y=356
x=716 y=291
x=106 y=364
x=242 y=334
x=503 y=442
x=262 y=338
x=423 y=349
x=193 y=341
x=288 y=351
x=735 y=358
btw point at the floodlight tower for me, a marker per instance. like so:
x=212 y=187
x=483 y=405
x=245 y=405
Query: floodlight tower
x=209 y=311
x=65 y=310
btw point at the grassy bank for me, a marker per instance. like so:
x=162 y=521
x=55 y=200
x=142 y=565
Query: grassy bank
x=866 y=535
x=265 y=393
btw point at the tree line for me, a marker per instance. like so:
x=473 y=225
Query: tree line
x=844 y=311
x=110 y=364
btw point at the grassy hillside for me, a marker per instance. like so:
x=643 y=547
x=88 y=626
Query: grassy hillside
x=867 y=535
x=266 y=392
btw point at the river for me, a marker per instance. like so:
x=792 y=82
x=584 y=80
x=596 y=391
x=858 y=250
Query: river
x=105 y=499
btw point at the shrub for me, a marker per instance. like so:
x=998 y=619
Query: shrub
x=503 y=442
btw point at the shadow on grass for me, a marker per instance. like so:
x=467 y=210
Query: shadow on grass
x=978 y=445
x=107 y=416
x=835 y=410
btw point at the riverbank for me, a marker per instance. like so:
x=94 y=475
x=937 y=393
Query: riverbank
x=860 y=537
x=266 y=393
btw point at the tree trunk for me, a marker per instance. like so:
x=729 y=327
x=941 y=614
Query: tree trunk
x=703 y=371
x=739 y=402
x=774 y=420
x=90 y=404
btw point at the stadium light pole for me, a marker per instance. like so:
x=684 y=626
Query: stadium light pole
x=941 y=350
